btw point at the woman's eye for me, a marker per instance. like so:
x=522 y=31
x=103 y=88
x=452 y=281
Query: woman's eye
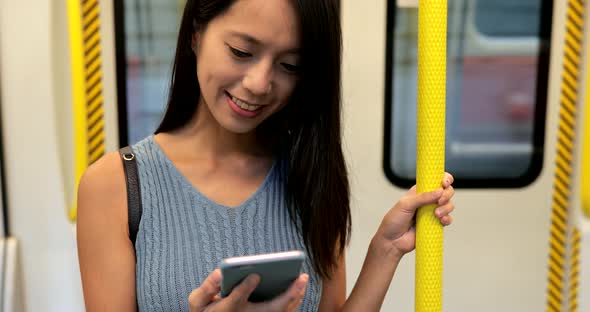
x=290 y=68
x=239 y=53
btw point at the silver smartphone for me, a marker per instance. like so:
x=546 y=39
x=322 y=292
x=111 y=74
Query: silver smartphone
x=277 y=272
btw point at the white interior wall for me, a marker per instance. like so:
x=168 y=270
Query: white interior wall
x=37 y=210
x=36 y=105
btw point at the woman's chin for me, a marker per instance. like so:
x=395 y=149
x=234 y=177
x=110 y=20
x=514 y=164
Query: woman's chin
x=240 y=128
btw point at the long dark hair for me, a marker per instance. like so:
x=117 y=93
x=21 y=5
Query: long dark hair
x=306 y=132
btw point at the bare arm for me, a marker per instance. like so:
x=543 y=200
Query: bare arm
x=373 y=281
x=371 y=286
x=334 y=289
x=395 y=237
x=105 y=253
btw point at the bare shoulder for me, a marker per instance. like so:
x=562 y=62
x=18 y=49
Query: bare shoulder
x=105 y=252
x=102 y=190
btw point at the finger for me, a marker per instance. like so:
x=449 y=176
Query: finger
x=412 y=202
x=446 y=220
x=241 y=293
x=448 y=193
x=444 y=210
x=448 y=179
x=202 y=296
x=294 y=305
x=292 y=296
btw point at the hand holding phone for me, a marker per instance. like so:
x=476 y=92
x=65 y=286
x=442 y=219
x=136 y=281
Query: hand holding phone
x=206 y=297
x=277 y=271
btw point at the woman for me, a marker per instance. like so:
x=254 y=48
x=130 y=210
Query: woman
x=247 y=160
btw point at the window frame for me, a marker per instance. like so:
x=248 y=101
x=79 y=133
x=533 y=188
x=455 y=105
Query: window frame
x=121 y=72
x=538 y=134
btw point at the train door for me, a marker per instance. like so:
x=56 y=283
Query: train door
x=504 y=106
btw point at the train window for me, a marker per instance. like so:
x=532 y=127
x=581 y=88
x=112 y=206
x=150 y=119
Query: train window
x=496 y=91
x=146 y=34
x=517 y=17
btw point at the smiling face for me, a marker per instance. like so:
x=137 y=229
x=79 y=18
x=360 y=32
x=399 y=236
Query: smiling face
x=247 y=62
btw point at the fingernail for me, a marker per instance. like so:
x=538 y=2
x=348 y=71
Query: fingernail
x=216 y=279
x=437 y=212
x=303 y=281
x=253 y=279
x=305 y=278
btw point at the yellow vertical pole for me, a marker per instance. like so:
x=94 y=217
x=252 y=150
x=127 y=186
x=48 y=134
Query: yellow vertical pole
x=564 y=235
x=87 y=91
x=78 y=97
x=585 y=174
x=430 y=164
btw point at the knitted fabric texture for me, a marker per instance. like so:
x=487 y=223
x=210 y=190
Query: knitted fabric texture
x=183 y=235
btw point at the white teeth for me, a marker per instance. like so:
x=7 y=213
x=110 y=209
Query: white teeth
x=243 y=105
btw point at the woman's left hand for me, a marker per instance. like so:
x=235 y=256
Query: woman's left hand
x=397 y=230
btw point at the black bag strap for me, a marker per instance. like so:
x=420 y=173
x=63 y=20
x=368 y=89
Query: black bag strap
x=134 y=209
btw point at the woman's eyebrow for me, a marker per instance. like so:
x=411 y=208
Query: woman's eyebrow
x=245 y=37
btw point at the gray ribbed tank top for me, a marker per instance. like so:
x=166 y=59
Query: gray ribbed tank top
x=183 y=235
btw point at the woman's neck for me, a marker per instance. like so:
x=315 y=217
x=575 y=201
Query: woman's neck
x=211 y=139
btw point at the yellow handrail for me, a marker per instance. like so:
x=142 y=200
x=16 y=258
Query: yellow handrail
x=78 y=97
x=430 y=163
x=88 y=113
x=564 y=235
x=585 y=173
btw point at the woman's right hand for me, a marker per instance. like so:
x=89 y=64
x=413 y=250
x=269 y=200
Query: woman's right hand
x=206 y=298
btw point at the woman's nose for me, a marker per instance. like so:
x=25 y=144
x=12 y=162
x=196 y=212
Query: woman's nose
x=258 y=79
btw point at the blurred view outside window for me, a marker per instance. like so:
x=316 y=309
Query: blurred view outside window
x=496 y=82
x=151 y=29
